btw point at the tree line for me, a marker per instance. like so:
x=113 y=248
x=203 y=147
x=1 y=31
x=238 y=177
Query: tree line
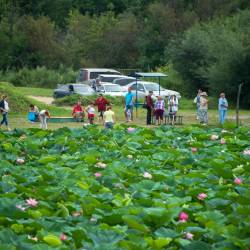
x=199 y=44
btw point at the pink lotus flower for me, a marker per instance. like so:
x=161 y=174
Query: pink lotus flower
x=222 y=141
x=131 y=130
x=147 y=175
x=31 y=202
x=20 y=207
x=183 y=217
x=202 y=196
x=214 y=137
x=194 y=150
x=246 y=152
x=20 y=161
x=98 y=175
x=188 y=236
x=63 y=237
x=237 y=181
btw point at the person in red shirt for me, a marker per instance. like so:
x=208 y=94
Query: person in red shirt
x=78 y=111
x=101 y=104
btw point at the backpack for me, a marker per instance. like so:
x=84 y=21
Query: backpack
x=2 y=105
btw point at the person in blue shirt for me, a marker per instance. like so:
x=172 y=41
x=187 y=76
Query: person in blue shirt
x=129 y=104
x=223 y=106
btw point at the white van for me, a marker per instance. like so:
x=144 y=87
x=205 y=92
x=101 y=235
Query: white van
x=88 y=75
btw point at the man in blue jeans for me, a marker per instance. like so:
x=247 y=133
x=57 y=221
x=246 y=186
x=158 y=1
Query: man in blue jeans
x=223 y=106
x=4 y=108
x=129 y=104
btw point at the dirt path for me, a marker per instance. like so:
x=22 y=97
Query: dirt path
x=44 y=99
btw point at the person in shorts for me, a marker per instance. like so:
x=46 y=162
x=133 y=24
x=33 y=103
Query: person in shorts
x=159 y=110
x=129 y=104
x=109 y=118
x=78 y=111
x=91 y=113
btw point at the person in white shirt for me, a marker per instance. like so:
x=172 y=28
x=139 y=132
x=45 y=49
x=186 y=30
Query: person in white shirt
x=4 y=108
x=109 y=118
x=91 y=113
x=43 y=115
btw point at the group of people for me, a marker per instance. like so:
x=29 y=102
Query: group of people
x=201 y=101
x=155 y=107
x=106 y=114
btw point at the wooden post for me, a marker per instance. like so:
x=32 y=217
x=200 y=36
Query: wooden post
x=238 y=105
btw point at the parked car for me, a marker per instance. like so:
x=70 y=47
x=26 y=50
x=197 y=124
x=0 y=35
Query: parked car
x=144 y=87
x=104 y=78
x=69 y=89
x=111 y=89
x=124 y=81
x=88 y=75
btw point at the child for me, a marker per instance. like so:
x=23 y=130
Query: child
x=4 y=108
x=109 y=118
x=91 y=112
x=43 y=115
x=78 y=111
x=33 y=113
x=159 y=110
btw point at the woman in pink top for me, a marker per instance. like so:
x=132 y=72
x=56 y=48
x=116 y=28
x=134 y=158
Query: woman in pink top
x=159 y=110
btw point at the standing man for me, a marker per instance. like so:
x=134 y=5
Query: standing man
x=101 y=104
x=109 y=118
x=4 y=109
x=129 y=105
x=223 y=106
x=197 y=102
x=150 y=107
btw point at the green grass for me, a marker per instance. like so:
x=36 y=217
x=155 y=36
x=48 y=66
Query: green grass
x=35 y=91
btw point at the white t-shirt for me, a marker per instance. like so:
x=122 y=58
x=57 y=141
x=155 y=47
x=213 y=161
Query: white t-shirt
x=90 y=110
x=6 y=106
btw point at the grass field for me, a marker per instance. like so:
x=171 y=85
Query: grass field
x=187 y=110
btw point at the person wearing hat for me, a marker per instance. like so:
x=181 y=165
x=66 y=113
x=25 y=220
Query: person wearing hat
x=203 y=117
x=101 y=103
x=223 y=106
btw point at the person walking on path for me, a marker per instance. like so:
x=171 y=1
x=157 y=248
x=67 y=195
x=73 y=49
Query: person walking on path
x=101 y=103
x=159 y=110
x=129 y=105
x=203 y=116
x=197 y=102
x=222 y=106
x=109 y=118
x=4 y=108
x=43 y=115
x=150 y=107
x=172 y=108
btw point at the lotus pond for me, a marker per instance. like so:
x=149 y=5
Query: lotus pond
x=167 y=188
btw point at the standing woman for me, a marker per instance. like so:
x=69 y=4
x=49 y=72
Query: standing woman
x=4 y=108
x=203 y=117
x=172 y=108
x=159 y=110
x=223 y=106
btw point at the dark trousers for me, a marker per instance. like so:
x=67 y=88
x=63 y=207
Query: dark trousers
x=149 y=115
x=5 y=119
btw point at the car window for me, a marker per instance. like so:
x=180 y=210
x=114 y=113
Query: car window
x=82 y=88
x=94 y=75
x=64 y=87
x=108 y=78
x=123 y=81
x=139 y=87
x=133 y=87
x=152 y=87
